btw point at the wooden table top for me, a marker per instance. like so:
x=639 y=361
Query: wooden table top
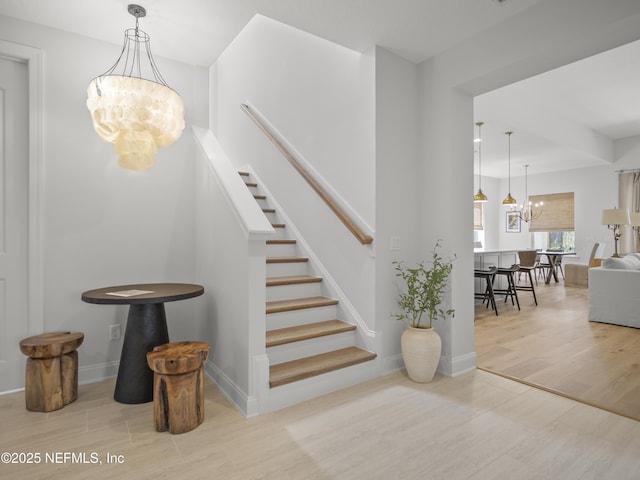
x=134 y=294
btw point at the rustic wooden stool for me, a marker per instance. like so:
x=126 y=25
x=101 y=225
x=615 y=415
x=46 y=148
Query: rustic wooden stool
x=178 y=385
x=51 y=379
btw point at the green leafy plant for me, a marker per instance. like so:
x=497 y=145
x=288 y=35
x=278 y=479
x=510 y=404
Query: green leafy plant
x=424 y=290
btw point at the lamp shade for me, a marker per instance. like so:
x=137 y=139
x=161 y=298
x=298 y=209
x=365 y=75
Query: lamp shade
x=635 y=219
x=135 y=114
x=616 y=216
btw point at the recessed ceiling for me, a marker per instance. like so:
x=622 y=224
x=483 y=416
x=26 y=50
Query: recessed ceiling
x=566 y=118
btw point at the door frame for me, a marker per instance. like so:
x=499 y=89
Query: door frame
x=34 y=58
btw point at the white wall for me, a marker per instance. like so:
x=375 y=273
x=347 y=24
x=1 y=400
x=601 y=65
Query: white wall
x=103 y=225
x=397 y=186
x=319 y=96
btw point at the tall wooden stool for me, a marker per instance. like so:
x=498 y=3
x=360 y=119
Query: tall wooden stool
x=51 y=379
x=178 y=385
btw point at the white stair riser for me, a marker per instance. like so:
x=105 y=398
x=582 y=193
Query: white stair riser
x=301 y=317
x=286 y=269
x=281 y=234
x=272 y=217
x=296 y=392
x=262 y=203
x=300 y=290
x=281 y=250
x=306 y=348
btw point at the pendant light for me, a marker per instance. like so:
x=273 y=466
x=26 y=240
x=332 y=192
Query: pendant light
x=529 y=211
x=480 y=196
x=509 y=200
x=138 y=115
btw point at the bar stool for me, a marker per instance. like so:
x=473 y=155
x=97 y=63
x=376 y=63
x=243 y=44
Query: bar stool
x=528 y=265
x=510 y=291
x=488 y=295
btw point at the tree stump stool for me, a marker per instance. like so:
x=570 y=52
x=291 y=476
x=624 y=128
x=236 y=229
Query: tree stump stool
x=178 y=385
x=51 y=379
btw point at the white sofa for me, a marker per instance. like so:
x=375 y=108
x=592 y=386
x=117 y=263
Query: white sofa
x=614 y=291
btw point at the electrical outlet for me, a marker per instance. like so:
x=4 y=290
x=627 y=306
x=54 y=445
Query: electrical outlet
x=114 y=332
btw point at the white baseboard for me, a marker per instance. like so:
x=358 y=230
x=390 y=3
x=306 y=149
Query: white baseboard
x=452 y=367
x=391 y=364
x=97 y=372
x=247 y=405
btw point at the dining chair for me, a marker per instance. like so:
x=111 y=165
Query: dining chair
x=597 y=252
x=541 y=266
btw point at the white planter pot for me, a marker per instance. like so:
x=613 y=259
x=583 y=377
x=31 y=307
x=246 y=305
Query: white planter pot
x=421 y=349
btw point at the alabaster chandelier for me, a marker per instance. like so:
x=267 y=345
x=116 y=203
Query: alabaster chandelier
x=132 y=106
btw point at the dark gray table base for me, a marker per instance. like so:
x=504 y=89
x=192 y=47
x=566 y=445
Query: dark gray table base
x=146 y=329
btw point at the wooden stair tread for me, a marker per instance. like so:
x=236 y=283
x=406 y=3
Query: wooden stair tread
x=287 y=259
x=296 y=370
x=292 y=280
x=269 y=210
x=278 y=225
x=243 y=174
x=260 y=197
x=285 y=241
x=299 y=333
x=276 y=306
x=251 y=184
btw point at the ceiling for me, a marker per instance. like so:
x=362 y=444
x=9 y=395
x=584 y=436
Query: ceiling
x=567 y=118
x=197 y=31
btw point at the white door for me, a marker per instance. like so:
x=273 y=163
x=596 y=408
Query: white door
x=14 y=212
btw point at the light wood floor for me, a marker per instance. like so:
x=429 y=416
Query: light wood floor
x=555 y=346
x=475 y=426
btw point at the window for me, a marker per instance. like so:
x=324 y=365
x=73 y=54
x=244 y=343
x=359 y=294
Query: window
x=554 y=229
x=557 y=213
x=565 y=241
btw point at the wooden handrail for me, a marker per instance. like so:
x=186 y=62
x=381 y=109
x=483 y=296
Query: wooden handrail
x=362 y=237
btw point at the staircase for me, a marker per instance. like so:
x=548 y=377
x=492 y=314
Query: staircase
x=304 y=336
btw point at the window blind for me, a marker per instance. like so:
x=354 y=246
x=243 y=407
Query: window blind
x=557 y=213
x=477 y=216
